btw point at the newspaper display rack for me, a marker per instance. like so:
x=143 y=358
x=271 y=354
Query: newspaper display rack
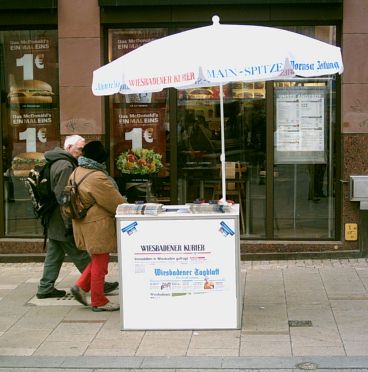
x=179 y=267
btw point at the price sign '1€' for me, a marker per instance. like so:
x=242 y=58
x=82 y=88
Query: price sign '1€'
x=27 y=63
x=136 y=135
x=29 y=135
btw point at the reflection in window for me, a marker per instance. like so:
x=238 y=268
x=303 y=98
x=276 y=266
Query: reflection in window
x=199 y=148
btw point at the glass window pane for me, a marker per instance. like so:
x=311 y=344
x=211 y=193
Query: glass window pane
x=29 y=119
x=304 y=198
x=139 y=122
x=199 y=149
x=326 y=34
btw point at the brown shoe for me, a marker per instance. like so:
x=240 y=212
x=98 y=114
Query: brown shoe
x=110 y=306
x=79 y=295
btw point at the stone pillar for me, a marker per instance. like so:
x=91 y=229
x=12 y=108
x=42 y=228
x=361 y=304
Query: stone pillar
x=354 y=109
x=79 y=54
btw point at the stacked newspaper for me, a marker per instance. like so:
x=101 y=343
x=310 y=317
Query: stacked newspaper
x=146 y=208
x=209 y=208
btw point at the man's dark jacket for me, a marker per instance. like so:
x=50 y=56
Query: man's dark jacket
x=59 y=174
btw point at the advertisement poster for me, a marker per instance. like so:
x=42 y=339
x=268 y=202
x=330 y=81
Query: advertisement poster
x=140 y=127
x=30 y=64
x=138 y=120
x=300 y=121
x=124 y=41
x=179 y=274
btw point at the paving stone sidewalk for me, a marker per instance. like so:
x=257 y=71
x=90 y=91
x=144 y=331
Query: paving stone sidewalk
x=296 y=311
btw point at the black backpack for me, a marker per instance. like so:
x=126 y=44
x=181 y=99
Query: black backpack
x=43 y=198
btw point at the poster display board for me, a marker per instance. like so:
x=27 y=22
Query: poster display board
x=139 y=121
x=30 y=118
x=31 y=76
x=300 y=136
x=179 y=272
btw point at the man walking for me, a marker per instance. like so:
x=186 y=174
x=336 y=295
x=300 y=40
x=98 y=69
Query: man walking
x=60 y=235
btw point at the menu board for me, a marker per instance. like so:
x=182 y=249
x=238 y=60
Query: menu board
x=300 y=135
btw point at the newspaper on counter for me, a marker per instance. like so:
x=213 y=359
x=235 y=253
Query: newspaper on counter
x=146 y=208
x=209 y=208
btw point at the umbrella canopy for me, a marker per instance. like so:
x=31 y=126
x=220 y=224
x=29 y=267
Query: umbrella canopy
x=216 y=55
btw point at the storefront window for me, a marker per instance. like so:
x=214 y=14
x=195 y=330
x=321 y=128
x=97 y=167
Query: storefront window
x=199 y=146
x=304 y=177
x=29 y=118
x=304 y=182
x=139 y=122
x=294 y=201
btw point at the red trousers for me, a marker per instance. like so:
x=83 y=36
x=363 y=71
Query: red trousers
x=93 y=278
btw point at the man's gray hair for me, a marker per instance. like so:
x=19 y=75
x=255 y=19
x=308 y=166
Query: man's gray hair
x=72 y=140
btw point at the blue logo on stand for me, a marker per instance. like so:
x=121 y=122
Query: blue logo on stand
x=225 y=229
x=130 y=229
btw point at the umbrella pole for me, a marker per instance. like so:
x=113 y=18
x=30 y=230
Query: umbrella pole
x=222 y=156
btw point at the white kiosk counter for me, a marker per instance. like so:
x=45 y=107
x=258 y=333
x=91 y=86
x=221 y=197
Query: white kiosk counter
x=179 y=270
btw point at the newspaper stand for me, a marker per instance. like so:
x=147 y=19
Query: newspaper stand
x=179 y=269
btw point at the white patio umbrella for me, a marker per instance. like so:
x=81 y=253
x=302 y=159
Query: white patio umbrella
x=216 y=55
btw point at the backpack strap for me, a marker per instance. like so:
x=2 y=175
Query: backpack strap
x=81 y=180
x=84 y=177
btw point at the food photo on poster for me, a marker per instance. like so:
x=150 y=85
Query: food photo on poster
x=139 y=161
x=30 y=93
x=140 y=148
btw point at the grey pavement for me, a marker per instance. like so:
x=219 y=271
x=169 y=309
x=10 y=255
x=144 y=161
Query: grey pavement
x=297 y=315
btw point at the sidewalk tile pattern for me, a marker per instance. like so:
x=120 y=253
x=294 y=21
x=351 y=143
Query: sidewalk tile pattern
x=291 y=309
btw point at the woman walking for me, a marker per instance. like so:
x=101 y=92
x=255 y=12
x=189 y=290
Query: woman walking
x=96 y=232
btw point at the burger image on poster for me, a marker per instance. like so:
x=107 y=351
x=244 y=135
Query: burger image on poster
x=24 y=162
x=31 y=91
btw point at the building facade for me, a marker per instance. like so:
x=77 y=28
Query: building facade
x=292 y=186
